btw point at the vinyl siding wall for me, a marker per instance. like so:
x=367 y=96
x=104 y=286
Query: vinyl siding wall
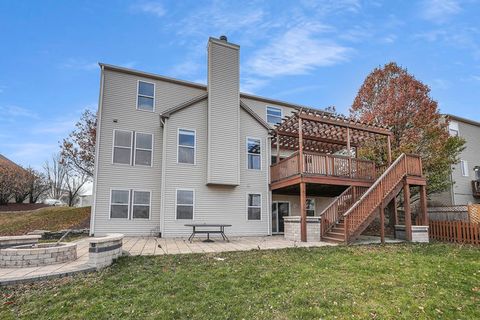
x=463 y=185
x=213 y=204
x=119 y=102
x=223 y=113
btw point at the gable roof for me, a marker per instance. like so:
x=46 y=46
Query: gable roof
x=460 y=119
x=195 y=85
x=167 y=113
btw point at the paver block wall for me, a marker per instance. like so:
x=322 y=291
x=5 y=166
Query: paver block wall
x=292 y=228
x=104 y=250
x=10 y=241
x=42 y=255
x=419 y=233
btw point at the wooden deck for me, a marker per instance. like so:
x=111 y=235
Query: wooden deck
x=323 y=169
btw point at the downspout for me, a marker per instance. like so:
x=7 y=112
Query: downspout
x=269 y=193
x=97 y=153
x=162 y=187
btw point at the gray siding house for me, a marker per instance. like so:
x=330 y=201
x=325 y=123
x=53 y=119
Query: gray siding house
x=465 y=175
x=171 y=152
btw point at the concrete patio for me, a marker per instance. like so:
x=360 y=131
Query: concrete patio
x=150 y=246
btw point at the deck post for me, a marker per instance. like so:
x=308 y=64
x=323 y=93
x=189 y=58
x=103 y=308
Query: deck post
x=300 y=145
x=408 y=213
x=278 y=148
x=389 y=151
x=303 y=212
x=349 y=154
x=423 y=205
x=382 y=224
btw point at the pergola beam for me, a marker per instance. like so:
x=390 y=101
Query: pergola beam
x=318 y=139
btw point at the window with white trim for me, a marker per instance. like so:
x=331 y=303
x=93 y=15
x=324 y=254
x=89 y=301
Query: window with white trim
x=141 y=205
x=120 y=204
x=310 y=207
x=143 y=149
x=186 y=146
x=254 y=206
x=122 y=147
x=185 y=199
x=453 y=128
x=254 y=154
x=464 y=167
x=146 y=96
x=274 y=115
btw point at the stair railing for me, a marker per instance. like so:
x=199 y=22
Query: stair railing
x=359 y=212
x=335 y=210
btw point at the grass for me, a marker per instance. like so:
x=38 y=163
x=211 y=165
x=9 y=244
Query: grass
x=362 y=282
x=50 y=218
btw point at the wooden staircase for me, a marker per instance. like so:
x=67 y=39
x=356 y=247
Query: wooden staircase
x=353 y=210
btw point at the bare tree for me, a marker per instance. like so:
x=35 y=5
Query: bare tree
x=73 y=185
x=55 y=172
x=38 y=185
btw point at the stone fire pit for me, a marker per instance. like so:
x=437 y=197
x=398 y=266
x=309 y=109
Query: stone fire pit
x=37 y=254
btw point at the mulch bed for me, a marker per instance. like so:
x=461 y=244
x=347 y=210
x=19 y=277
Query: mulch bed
x=22 y=206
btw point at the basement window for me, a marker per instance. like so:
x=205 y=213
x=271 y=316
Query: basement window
x=119 y=204
x=141 y=205
x=310 y=206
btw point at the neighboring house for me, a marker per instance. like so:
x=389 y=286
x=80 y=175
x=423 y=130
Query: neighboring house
x=7 y=162
x=84 y=200
x=171 y=152
x=465 y=175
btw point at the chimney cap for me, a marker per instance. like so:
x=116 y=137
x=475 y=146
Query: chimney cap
x=223 y=38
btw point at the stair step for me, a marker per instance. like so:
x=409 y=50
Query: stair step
x=338 y=230
x=335 y=235
x=333 y=240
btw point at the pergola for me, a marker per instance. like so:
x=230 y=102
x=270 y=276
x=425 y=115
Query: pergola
x=322 y=132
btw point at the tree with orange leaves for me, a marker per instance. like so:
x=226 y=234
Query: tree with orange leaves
x=393 y=97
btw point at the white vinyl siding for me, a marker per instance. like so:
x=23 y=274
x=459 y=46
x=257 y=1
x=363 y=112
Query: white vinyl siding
x=186 y=146
x=122 y=147
x=254 y=206
x=254 y=155
x=274 y=115
x=143 y=149
x=464 y=168
x=141 y=204
x=185 y=202
x=453 y=128
x=146 y=96
x=120 y=204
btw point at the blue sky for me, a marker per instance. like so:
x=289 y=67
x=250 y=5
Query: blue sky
x=315 y=53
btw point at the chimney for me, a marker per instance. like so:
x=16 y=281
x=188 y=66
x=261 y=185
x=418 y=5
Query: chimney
x=223 y=112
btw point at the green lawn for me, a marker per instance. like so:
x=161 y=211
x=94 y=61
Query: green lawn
x=392 y=282
x=49 y=218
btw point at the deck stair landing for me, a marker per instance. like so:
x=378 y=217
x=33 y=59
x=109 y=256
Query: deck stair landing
x=352 y=211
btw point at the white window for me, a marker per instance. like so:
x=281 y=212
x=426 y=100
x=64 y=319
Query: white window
x=254 y=206
x=254 y=157
x=186 y=146
x=453 y=128
x=464 y=167
x=146 y=96
x=310 y=206
x=119 y=204
x=141 y=205
x=122 y=147
x=184 y=203
x=274 y=115
x=143 y=149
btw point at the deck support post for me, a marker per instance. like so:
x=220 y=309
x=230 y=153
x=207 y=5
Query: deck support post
x=408 y=213
x=349 y=154
x=303 y=212
x=382 y=224
x=423 y=205
x=389 y=150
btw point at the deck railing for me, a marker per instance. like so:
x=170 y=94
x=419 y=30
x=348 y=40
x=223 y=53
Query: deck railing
x=365 y=206
x=332 y=214
x=325 y=165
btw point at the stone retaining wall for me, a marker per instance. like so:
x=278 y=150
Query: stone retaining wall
x=103 y=251
x=41 y=255
x=10 y=241
x=292 y=228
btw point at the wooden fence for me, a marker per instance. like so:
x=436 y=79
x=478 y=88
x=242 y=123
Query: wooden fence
x=455 y=231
